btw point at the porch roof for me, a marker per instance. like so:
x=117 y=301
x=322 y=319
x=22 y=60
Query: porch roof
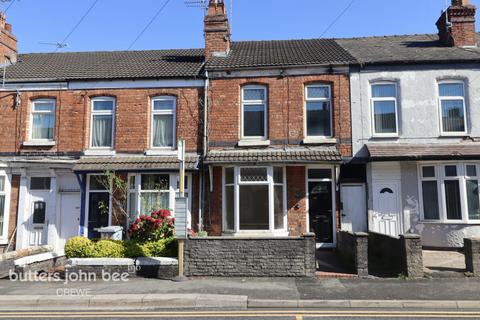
x=279 y=155
x=134 y=163
x=406 y=151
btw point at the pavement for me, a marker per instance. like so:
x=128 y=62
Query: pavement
x=242 y=294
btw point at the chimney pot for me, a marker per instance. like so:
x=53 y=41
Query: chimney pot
x=217 y=30
x=456 y=25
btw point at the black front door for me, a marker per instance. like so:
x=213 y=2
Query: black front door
x=320 y=210
x=98 y=215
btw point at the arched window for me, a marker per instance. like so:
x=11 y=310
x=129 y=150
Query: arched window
x=163 y=122
x=254 y=112
x=102 y=126
x=43 y=119
x=384 y=108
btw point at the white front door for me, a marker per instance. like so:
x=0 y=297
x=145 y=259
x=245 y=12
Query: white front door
x=38 y=221
x=386 y=208
x=354 y=208
x=69 y=216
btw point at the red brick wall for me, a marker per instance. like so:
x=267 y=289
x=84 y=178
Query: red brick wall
x=285 y=109
x=296 y=201
x=72 y=120
x=12 y=222
x=213 y=211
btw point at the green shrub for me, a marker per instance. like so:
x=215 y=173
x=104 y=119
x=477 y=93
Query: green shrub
x=134 y=249
x=109 y=249
x=171 y=248
x=79 y=247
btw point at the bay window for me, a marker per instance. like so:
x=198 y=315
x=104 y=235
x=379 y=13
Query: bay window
x=102 y=123
x=163 y=122
x=154 y=191
x=450 y=192
x=318 y=107
x=254 y=199
x=43 y=119
x=254 y=112
x=452 y=107
x=384 y=108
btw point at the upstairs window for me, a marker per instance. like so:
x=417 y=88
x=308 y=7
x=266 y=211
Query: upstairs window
x=102 y=128
x=254 y=112
x=452 y=107
x=163 y=122
x=318 y=111
x=43 y=119
x=384 y=108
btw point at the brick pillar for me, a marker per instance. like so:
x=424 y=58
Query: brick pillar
x=472 y=255
x=411 y=247
x=310 y=254
x=296 y=201
x=361 y=254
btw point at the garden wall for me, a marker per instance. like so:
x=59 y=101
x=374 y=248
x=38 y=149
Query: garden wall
x=472 y=255
x=353 y=248
x=251 y=257
x=395 y=256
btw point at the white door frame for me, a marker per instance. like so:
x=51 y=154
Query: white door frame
x=334 y=202
x=355 y=184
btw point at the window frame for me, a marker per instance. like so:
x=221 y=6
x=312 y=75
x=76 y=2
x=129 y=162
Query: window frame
x=380 y=99
x=441 y=177
x=236 y=201
x=39 y=190
x=33 y=112
x=111 y=113
x=329 y=100
x=173 y=191
x=172 y=112
x=6 y=214
x=263 y=103
x=441 y=98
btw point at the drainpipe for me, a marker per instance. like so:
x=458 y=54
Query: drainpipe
x=201 y=209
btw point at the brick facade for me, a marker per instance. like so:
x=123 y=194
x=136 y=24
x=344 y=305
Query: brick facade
x=72 y=119
x=286 y=109
x=296 y=200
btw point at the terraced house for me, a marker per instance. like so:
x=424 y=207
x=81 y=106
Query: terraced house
x=282 y=137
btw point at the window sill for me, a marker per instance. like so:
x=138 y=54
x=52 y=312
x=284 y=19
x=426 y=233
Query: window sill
x=161 y=152
x=99 y=152
x=319 y=140
x=38 y=143
x=385 y=136
x=254 y=143
x=255 y=235
x=455 y=135
x=450 y=222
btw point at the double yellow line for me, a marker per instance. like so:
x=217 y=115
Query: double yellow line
x=296 y=314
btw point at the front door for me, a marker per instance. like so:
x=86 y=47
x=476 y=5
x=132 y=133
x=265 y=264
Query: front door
x=69 y=216
x=321 y=210
x=386 y=208
x=354 y=208
x=98 y=213
x=38 y=222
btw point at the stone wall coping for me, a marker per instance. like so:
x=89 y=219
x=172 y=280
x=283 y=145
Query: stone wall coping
x=254 y=238
x=383 y=235
x=156 y=261
x=475 y=239
x=38 y=258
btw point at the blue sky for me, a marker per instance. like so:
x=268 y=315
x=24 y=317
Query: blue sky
x=114 y=24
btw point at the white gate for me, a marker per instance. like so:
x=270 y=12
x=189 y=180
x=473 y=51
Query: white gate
x=354 y=207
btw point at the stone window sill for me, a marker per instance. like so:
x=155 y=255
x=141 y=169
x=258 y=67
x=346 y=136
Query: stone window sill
x=161 y=152
x=315 y=140
x=99 y=152
x=38 y=143
x=254 y=143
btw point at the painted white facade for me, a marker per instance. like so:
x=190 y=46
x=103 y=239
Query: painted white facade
x=419 y=122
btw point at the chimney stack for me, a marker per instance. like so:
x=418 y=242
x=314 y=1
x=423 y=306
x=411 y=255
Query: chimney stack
x=217 y=30
x=456 y=26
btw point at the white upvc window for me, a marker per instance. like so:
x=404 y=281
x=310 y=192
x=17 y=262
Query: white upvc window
x=254 y=200
x=4 y=206
x=254 y=112
x=451 y=100
x=102 y=128
x=318 y=111
x=42 y=120
x=154 y=191
x=163 y=122
x=449 y=192
x=384 y=109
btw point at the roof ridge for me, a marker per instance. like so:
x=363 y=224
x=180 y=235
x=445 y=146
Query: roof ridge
x=112 y=51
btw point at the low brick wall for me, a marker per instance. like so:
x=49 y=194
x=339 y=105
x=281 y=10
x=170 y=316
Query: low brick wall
x=472 y=255
x=395 y=256
x=353 y=248
x=251 y=257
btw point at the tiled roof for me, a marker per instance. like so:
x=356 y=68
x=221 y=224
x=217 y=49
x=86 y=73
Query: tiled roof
x=290 y=155
x=134 y=163
x=404 y=151
x=406 y=49
x=282 y=53
x=107 y=65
